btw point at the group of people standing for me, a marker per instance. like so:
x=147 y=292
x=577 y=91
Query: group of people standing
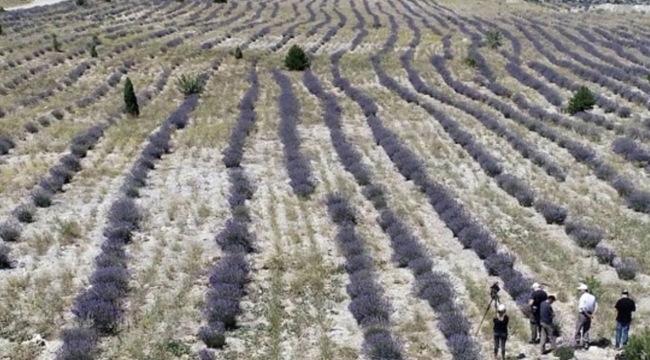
x=543 y=315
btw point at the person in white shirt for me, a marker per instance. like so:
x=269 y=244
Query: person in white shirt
x=587 y=307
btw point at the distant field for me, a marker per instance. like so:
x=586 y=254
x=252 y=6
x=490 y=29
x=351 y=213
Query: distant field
x=357 y=210
x=8 y=3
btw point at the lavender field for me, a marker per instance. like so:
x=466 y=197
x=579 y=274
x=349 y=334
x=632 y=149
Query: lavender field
x=360 y=209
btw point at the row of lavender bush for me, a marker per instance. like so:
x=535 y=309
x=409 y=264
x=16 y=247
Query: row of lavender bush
x=297 y=165
x=467 y=230
x=231 y=274
x=59 y=175
x=636 y=199
x=583 y=235
x=433 y=287
x=98 y=309
x=450 y=211
x=368 y=305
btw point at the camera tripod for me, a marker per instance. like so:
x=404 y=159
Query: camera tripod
x=494 y=298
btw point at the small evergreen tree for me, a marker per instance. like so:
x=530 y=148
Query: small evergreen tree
x=220 y=1
x=1 y=32
x=93 y=50
x=494 y=39
x=583 y=100
x=296 y=59
x=56 y=45
x=648 y=77
x=238 y=53
x=80 y=2
x=130 y=100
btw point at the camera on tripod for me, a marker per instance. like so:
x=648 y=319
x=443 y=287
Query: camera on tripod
x=494 y=291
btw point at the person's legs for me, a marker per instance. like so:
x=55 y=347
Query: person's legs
x=543 y=336
x=619 y=330
x=503 y=346
x=578 y=336
x=625 y=330
x=551 y=336
x=547 y=330
x=534 y=328
x=496 y=345
x=585 y=332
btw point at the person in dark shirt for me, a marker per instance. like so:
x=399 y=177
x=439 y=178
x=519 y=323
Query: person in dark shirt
x=537 y=297
x=500 y=331
x=546 y=315
x=625 y=307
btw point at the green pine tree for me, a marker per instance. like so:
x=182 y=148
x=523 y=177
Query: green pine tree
x=56 y=45
x=296 y=59
x=583 y=100
x=93 y=50
x=238 y=53
x=130 y=100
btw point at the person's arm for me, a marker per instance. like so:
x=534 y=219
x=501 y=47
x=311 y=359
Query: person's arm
x=595 y=309
x=633 y=306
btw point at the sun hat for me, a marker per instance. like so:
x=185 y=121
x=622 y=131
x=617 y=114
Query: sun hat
x=535 y=286
x=501 y=308
x=583 y=287
x=625 y=292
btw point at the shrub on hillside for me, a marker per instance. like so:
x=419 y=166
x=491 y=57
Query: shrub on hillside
x=79 y=343
x=80 y=2
x=130 y=100
x=494 y=39
x=604 y=255
x=627 y=269
x=638 y=346
x=220 y=1
x=470 y=61
x=238 y=53
x=583 y=100
x=211 y=337
x=93 y=51
x=24 y=213
x=380 y=344
x=296 y=59
x=584 y=236
x=189 y=85
x=5 y=262
x=9 y=231
x=41 y=197
x=495 y=264
x=553 y=214
x=564 y=353
x=6 y=144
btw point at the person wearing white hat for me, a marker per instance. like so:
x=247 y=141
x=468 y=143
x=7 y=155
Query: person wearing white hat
x=500 y=331
x=587 y=307
x=537 y=297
